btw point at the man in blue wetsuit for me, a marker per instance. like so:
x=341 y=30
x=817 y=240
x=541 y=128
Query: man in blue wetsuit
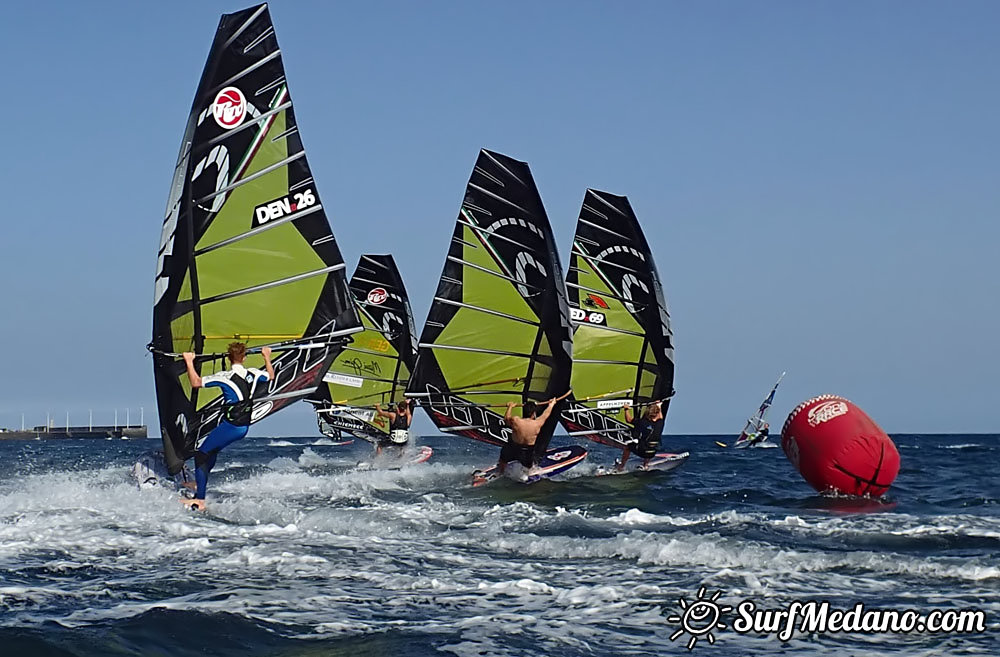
x=238 y=385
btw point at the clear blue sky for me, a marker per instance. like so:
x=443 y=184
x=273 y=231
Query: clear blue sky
x=819 y=181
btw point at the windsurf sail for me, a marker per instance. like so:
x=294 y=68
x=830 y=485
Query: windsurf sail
x=375 y=368
x=498 y=329
x=623 y=348
x=246 y=252
x=756 y=421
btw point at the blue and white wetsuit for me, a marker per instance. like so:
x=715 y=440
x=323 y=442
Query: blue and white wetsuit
x=237 y=384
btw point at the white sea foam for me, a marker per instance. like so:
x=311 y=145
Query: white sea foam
x=310 y=541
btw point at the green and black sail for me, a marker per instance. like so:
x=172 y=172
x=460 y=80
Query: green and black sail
x=623 y=350
x=375 y=368
x=498 y=329
x=246 y=253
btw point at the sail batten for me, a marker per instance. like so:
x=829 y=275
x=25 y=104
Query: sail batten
x=499 y=314
x=236 y=262
x=622 y=335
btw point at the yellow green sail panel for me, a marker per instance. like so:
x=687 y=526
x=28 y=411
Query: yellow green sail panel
x=246 y=252
x=623 y=348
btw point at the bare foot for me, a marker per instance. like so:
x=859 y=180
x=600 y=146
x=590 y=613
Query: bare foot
x=195 y=504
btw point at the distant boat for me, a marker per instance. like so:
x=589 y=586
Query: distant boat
x=246 y=253
x=375 y=367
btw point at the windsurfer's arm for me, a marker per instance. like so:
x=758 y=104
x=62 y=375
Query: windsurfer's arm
x=379 y=412
x=266 y=353
x=628 y=414
x=193 y=376
x=548 y=409
x=509 y=415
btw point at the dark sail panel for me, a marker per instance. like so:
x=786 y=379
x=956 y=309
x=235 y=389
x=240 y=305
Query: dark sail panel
x=622 y=341
x=498 y=328
x=246 y=251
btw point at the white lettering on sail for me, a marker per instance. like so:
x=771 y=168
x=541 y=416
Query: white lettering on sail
x=464 y=413
x=581 y=316
x=283 y=206
x=524 y=260
x=390 y=318
x=629 y=281
x=219 y=158
x=166 y=248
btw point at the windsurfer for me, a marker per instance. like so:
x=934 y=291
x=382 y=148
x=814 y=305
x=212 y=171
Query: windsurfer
x=399 y=423
x=760 y=436
x=646 y=433
x=524 y=432
x=238 y=385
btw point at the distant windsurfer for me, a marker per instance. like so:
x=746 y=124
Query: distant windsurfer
x=646 y=432
x=760 y=436
x=399 y=424
x=238 y=385
x=524 y=432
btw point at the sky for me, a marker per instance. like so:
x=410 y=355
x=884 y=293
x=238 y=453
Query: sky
x=819 y=181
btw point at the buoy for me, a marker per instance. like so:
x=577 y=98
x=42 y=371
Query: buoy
x=835 y=446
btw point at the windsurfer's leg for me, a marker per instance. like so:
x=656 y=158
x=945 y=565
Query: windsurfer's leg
x=626 y=451
x=504 y=457
x=526 y=457
x=203 y=464
x=204 y=459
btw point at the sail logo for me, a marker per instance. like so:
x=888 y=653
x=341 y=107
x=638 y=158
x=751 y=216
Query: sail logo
x=343 y=379
x=826 y=411
x=260 y=411
x=282 y=207
x=378 y=296
x=229 y=108
x=583 y=317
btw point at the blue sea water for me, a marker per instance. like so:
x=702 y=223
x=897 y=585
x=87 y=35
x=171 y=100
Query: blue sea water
x=305 y=553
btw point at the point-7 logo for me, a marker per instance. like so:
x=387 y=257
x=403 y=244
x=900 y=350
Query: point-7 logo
x=702 y=617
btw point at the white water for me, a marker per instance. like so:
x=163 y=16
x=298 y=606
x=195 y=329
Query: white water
x=307 y=540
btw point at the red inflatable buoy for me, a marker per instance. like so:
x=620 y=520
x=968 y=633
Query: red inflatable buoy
x=836 y=446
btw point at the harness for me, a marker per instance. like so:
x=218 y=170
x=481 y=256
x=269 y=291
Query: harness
x=239 y=413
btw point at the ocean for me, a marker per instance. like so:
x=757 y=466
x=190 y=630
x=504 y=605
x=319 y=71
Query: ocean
x=304 y=553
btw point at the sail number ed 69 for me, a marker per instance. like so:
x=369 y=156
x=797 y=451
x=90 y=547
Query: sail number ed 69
x=583 y=317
